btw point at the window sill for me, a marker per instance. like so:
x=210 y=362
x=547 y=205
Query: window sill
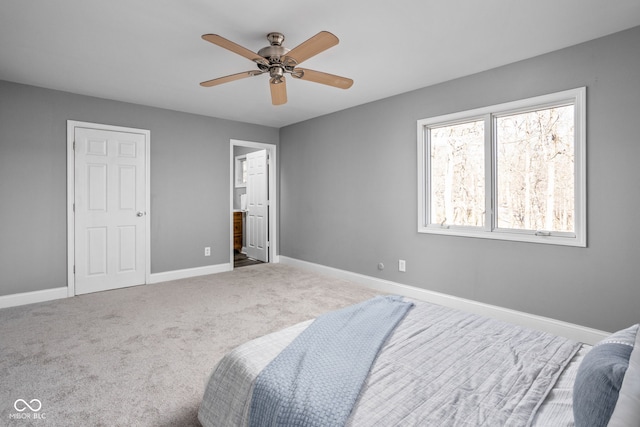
x=513 y=236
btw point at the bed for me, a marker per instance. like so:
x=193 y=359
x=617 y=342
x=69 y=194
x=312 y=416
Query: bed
x=441 y=366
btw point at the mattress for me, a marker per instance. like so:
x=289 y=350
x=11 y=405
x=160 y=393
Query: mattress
x=228 y=394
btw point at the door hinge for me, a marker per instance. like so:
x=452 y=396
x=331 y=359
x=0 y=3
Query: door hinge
x=74 y=269
x=74 y=146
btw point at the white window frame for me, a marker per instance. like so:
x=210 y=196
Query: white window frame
x=577 y=97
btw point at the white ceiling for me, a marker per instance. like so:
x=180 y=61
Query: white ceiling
x=150 y=51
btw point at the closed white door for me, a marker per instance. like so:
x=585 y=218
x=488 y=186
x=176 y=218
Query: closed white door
x=110 y=250
x=258 y=206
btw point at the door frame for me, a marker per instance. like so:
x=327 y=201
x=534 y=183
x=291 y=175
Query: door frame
x=71 y=196
x=273 y=194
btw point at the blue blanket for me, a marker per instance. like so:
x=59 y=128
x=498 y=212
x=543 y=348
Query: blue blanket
x=315 y=381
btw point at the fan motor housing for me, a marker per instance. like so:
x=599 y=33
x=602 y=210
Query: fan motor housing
x=273 y=53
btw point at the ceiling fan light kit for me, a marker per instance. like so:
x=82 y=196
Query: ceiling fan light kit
x=277 y=60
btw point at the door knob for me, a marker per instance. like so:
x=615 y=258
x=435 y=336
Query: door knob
x=140 y=214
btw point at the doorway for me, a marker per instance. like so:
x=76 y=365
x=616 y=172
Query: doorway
x=253 y=193
x=108 y=203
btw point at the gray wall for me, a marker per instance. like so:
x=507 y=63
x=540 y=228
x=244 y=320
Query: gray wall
x=349 y=189
x=189 y=182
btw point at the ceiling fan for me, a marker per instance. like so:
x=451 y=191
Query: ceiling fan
x=277 y=60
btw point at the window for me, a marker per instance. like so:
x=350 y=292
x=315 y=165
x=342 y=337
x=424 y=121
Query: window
x=457 y=178
x=241 y=171
x=513 y=171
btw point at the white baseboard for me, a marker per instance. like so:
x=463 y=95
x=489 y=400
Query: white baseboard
x=23 y=298
x=32 y=297
x=189 y=272
x=557 y=327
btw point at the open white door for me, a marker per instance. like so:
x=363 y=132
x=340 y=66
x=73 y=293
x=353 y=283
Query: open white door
x=110 y=209
x=258 y=206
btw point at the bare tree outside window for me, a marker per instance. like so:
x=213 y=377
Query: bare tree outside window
x=535 y=152
x=457 y=174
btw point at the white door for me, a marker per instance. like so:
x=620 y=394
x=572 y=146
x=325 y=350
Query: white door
x=110 y=250
x=258 y=206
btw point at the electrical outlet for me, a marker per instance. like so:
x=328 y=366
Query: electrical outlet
x=207 y=251
x=402 y=265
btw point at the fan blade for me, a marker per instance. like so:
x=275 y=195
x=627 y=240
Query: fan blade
x=316 y=44
x=324 y=78
x=278 y=91
x=235 y=48
x=231 y=78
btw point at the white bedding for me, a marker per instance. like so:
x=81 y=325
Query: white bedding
x=227 y=398
x=557 y=408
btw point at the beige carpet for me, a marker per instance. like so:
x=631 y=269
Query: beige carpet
x=141 y=356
